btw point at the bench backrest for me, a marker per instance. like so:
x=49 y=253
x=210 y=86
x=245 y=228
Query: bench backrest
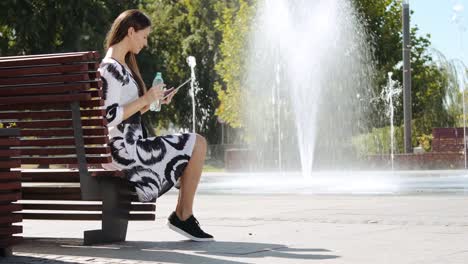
x=36 y=95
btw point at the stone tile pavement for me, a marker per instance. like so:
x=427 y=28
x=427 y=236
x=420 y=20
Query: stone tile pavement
x=426 y=229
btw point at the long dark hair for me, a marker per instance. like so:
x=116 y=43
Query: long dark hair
x=130 y=18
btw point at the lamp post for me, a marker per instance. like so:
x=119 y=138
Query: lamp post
x=407 y=112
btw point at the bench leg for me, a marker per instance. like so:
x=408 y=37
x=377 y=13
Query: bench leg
x=115 y=213
x=6 y=252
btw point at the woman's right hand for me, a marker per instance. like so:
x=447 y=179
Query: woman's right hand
x=154 y=93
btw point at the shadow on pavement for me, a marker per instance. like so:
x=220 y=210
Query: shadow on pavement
x=31 y=260
x=171 y=252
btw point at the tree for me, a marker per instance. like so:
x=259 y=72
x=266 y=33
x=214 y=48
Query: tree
x=234 y=24
x=382 y=18
x=180 y=29
x=47 y=26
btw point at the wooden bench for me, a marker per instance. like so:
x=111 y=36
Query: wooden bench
x=448 y=139
x=56 y=103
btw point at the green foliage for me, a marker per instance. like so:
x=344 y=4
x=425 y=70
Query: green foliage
x=430 y=83
x=47 y=26
x=378 y=142
x=425 y=141
x=180 y=29
x=235 y=26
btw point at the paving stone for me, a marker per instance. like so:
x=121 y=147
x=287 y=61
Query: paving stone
x=289 y=229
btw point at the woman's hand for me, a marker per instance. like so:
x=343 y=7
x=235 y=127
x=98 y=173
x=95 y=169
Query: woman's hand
x=153 y=94
x=169 y=98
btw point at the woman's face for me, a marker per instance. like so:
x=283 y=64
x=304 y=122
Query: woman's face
x=139 y=39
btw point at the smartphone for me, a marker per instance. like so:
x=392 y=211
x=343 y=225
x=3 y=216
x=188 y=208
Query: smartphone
x=171 y=91
x=168 y=92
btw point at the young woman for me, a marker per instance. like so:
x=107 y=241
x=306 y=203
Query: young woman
x=152 y=164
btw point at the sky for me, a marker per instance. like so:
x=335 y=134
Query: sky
x=436 y=17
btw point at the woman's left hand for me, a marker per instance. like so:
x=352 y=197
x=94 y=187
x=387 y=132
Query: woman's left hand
x=169 y=98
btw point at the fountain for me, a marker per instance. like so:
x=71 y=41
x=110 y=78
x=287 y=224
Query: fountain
x=390 y=91
x=306 y=89
x=194 y=87
x=304 y=73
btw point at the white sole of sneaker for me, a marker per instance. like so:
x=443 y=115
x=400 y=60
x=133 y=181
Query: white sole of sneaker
x=187 y=235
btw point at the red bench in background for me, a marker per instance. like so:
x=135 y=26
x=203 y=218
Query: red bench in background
x=448 y=139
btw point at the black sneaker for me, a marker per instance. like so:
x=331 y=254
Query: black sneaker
x=189 y=228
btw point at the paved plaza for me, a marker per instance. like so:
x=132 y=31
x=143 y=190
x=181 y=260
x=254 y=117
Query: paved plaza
x=275 y=228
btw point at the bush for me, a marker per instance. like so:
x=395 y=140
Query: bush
x=378 y=142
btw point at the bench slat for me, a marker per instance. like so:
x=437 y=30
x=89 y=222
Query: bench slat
x=51 y=190
x=61 y=78
x=68 y=176
x=50 y=115
x=41 y=60
x=10 y=230
x=54 y=197
x=89 y=84
x=59 y=193
x=81 y=207
x=48 y=69
x=9 y=152
x=8 y=219
x=42 y=89
x=89 y=55
x=61 y=216
x=52 y=106
x=63 y=160
x=63 y=151
x=10 y=164
x=8 y=186
x=62 y=207
x=11 y=100
x=64 y=141
x=8 y=197
x=62 y=132
x=63 y=175
x=60 y=197
x=9 y=142
x=60 y=123
x=10 y=175
x=4 y=208
x=82 y=217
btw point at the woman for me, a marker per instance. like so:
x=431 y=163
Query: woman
x=154 y=164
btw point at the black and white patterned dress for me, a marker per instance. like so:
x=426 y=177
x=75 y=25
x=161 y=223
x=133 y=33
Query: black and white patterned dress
x=152 y=164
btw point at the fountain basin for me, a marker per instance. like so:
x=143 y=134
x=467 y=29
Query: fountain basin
x=339 y=182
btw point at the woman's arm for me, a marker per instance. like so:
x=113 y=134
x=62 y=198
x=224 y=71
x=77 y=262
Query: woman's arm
x=133 y=107
x=142 y=103
x=144 y=109
x=116 y=113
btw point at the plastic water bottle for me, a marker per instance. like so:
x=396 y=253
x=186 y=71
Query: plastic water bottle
x=156 y=106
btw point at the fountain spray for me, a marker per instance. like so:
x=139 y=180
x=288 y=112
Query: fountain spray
x=192 y=63
x=387 y=95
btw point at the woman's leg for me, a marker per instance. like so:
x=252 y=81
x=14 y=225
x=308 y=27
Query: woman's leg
x=190 y=179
